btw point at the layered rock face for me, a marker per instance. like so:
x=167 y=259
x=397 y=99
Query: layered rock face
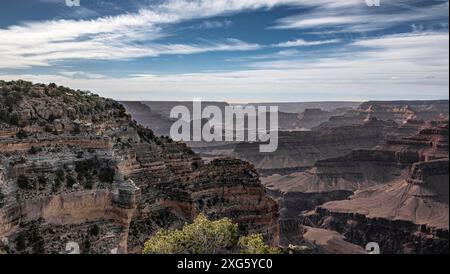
x=405 y=212
x=302 y=149
x=313 y=117
x=77 y=174
x=395 y=193
x=399 y=111
x=299 y=107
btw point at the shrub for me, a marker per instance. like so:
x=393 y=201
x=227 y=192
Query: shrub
x=201 y=237
x=42 y=180
x=94 y=230
x=12 y=99
x=254 y=244
x=70 y=181
x=88 y=184
x=34 y=150
x=24 y=183
x=56 y=185
x=14 y=119
x=20 y=242
x=106 y=174
x=22 y=134
x=2 y=199
x=206 y=237
x=76 y=130
x=60 y=174
x=4 y=116
x=48 y=128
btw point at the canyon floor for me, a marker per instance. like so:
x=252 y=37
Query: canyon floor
x=346 y=173
x=78 y=169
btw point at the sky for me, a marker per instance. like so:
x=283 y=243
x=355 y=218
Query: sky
x=231 y=50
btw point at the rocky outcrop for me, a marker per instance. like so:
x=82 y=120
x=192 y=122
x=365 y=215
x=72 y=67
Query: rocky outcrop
x=76 y=170
x=299 y=107
x=399 y=111
x=393 y=236
x=395 y=194
x=313 y=117
x=303 y=149
x=364 y=168
x=406 y=215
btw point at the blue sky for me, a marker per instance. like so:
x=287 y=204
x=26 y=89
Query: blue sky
x=231 y=50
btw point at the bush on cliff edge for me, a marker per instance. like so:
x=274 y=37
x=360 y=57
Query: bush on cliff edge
x=206 y=237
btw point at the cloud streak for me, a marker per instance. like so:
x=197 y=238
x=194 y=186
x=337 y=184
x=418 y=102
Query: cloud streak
x=388 y=67
x=362 y=18
x=129 y=36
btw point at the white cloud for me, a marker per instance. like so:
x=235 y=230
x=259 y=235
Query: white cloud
x=116 y=37
x=302 y=43
x=388 y=67
x=361 y=18
x=213 y=24
x=127 y=35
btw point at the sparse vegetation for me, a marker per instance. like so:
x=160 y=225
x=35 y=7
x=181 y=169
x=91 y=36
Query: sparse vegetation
x=34 y=150
x=70 y=181
x=24 y=183
x=94 y=230
x=206 y=237
x=76 y=130
x=56 y=185
x=20 y=242
x=254 y=244
x=89 y=168
x=30 y=239
x=22 y=134
x=60 y=174
x=42 y=180
x=2 y=199
x=88 y=184
x=106 y=174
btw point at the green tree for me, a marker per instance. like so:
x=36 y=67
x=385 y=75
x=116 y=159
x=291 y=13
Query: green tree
x=254 y=244
x=205 y=237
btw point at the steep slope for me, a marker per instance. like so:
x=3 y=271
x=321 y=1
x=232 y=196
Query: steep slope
x=408 y=213
x=74 y=167
x=303 y=149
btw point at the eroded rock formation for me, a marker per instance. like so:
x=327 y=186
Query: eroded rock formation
x=299 y=149
x=405 y=211
x=74 y=167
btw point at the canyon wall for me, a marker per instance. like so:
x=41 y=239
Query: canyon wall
x=75 y=168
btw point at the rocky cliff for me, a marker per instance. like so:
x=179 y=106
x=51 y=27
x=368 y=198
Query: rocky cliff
x=77 y=173
x=405 y=212
x=395 y=193
x=301 y=149
x=399 y=111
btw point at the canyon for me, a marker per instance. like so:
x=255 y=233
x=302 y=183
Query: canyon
x=103 y=176
x=75 y=169
x=347 y=174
